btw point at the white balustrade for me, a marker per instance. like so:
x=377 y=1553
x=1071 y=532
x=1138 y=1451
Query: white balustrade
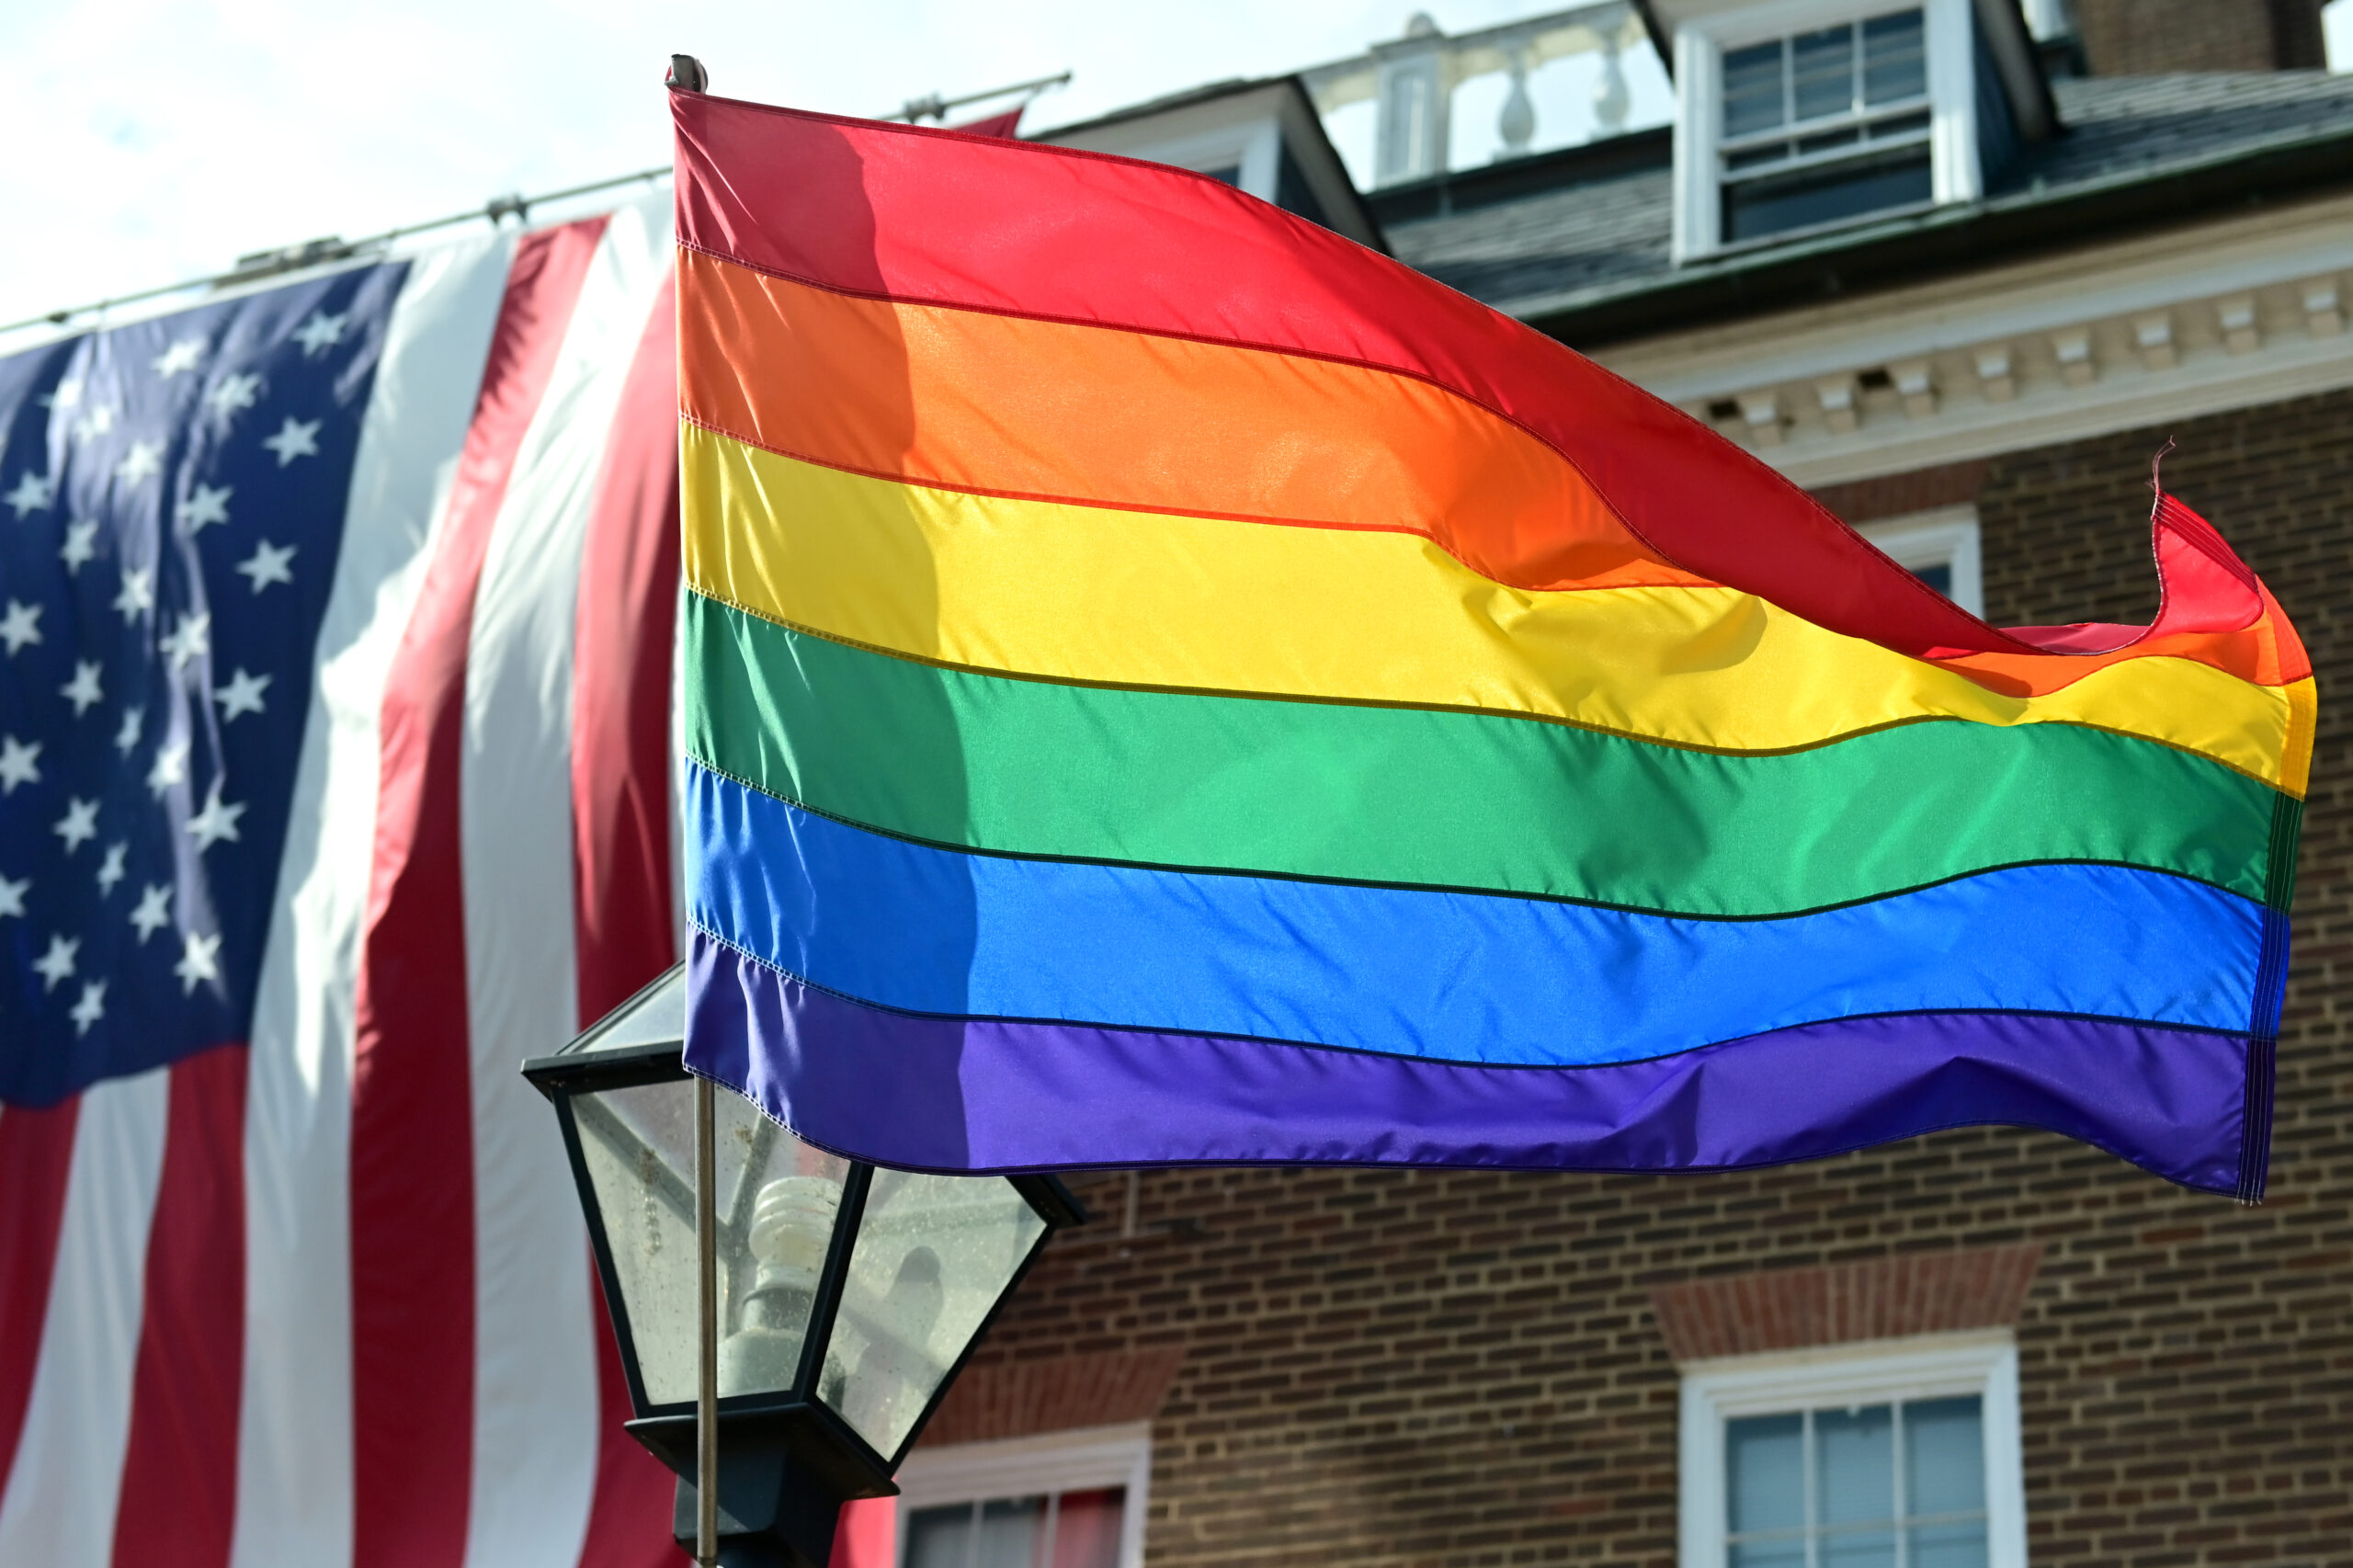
x=1412 y=81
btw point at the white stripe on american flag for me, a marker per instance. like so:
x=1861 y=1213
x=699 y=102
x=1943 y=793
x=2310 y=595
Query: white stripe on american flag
x=36 y=1154
x=414 y=1258
x=294 y=1440
x=535 y=1381
x=59 y=1505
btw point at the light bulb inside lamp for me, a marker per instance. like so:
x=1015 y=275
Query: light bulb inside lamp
x=791 y=1224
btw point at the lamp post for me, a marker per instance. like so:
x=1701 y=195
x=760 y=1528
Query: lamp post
x=841 y=1299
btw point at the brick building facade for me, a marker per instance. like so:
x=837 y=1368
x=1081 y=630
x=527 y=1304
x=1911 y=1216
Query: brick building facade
x=2144 y=37
x=1468 y=1368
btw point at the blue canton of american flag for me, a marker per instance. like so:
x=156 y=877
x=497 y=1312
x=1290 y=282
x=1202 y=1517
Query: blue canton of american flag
x=173 y=494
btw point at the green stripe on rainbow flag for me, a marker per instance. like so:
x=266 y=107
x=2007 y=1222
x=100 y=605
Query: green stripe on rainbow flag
x=1407 y=796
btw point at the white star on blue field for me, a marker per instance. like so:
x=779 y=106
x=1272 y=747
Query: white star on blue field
x=172 y=500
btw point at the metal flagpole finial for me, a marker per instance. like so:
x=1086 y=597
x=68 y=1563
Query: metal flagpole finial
x=687 y=74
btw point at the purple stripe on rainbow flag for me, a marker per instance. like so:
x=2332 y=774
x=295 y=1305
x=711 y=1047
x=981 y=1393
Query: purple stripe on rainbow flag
x=992 y=1094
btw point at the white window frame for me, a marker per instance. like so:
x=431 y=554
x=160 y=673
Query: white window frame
x=1941 y=1366
x=1079 y=1460
x=1700 y=43
x=1948 y=536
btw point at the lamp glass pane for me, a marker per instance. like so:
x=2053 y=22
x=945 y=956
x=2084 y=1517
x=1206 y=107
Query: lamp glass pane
x=776 y=1207
x=933 y=1255
x=655 y=1015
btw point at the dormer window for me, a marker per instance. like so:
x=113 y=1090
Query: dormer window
x=1824 y=125
x=1802 y=115
x=1259 y=137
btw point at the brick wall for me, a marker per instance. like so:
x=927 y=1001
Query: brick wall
x=1941 y=1291
x=1434 y=1367
x=2142 y=38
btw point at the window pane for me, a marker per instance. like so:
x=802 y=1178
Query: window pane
x=1757 y=157
x=1949 y=1546
x=1945 y=1466
x=1753 y=89
x=1767 y=1554
x=1769 y=204
x=1829 y=141
x=940 y=1538
x=1858 y=1549
x=1822 y=70
x=1853 y=1465
x=1895 y=59
x=1764 y=1472
x=1086 y=1527
x=1938 y=577
x=1013 y=1533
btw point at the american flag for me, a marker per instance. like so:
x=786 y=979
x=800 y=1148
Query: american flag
x=335 y=676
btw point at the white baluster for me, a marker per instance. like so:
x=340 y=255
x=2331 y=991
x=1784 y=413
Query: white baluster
x=1613 y=100
x=1516 y=124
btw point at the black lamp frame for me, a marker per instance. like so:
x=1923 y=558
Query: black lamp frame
x=787 y=1462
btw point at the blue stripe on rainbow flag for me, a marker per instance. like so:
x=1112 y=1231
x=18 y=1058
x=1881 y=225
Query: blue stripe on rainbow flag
x=1439 y=976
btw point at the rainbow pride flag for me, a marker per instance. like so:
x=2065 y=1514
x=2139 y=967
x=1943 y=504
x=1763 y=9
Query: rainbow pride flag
x=1166 y=684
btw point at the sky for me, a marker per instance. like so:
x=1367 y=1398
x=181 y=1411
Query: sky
x=155 y=140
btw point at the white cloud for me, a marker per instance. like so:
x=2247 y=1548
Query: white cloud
x=153 y=140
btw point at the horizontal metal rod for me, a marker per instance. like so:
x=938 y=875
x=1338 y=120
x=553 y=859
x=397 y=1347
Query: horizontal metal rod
x=321 y=251
x=317 y=252
x=935 y=106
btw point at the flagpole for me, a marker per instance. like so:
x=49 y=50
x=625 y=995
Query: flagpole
x=687 y=74
x=706 y=1287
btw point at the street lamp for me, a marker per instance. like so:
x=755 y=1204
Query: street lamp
x=845 y=1297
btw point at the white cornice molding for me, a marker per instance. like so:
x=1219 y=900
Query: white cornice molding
x=2196 y=322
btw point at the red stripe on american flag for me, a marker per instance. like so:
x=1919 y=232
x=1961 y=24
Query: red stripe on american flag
x=412 y=1149
x=624 y=934
x=179 y=1469
x=626 y=619
x=35 y=1149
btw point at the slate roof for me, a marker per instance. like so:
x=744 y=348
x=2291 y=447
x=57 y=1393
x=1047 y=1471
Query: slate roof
x=2145 y=125
x=1573 y=232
